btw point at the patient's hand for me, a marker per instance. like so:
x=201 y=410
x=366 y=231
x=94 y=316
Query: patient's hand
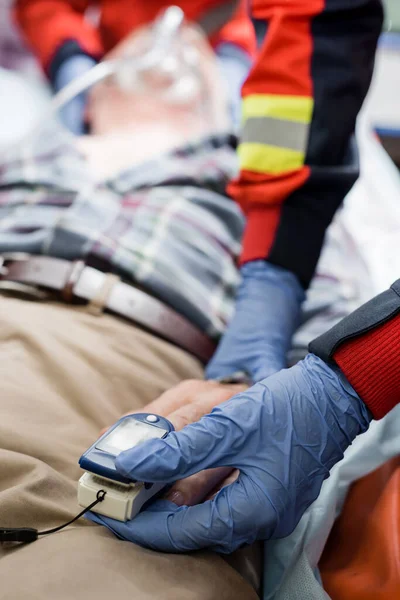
x=185 y=404
x=182 y=405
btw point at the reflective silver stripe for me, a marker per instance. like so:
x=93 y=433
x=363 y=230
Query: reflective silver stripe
x=275 y=132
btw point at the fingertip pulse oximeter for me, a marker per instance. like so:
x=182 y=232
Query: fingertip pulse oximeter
x=124 y=497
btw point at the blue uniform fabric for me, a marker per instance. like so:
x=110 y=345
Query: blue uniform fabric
x=234 y=64
x=73 y=113
x=284 y=435
x=267 y=314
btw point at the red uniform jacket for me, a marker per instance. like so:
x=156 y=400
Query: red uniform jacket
x=48 y=24
x=297 y=154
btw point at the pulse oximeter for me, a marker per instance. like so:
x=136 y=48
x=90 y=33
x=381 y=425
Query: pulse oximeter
x=124 y=498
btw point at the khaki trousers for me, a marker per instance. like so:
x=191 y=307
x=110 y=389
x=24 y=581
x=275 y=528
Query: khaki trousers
x=64 y=375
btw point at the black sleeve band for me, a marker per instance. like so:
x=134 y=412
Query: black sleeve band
x=375 y=312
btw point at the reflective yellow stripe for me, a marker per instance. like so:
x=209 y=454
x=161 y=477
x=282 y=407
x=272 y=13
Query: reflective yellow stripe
x=275 y=132
x=291 y=108
x=263 y=158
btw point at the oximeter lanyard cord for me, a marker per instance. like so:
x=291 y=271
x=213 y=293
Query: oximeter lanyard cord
x=25 y=535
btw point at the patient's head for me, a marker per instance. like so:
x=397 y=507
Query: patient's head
x=183 y=85
x=135 y=116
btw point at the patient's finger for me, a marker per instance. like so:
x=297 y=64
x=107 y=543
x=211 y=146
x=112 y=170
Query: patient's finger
x=186 y=393
x=194 y=489
x=202 y=404
x=177 y=396
x=230 y=478
x=181 y=394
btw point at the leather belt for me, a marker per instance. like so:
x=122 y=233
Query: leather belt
x=75 y=280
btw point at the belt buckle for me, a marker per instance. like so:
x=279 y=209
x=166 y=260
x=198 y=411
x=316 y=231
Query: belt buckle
x=14 y=287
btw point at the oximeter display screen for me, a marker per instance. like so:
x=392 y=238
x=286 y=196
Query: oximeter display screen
x=128 y=434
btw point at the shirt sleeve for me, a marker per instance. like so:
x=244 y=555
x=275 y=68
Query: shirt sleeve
x=300 y=102
x=366 y=347
x=48 y=25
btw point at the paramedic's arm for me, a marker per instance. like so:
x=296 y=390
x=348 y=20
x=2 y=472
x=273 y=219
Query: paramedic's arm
x=298 y=161
x=57 y=30
x=66 y=45
x=366 y=347
x=283 y=434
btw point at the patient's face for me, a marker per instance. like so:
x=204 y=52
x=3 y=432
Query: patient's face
x=131 y=123
x=122 y=102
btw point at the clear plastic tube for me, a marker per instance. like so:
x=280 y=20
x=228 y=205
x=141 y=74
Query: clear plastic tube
x=166 y=28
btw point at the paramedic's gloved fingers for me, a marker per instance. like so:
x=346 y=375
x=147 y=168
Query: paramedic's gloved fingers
x=148 y=529
x=73 y=114
x=284 y=434
x=266 y=315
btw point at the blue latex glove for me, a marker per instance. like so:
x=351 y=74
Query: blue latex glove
x=73 y=114
x=267 y=314
x=284 y=435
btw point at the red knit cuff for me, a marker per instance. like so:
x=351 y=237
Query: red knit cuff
x=371 y=363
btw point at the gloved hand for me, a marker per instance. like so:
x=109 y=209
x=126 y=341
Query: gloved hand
x=266 y=315
x=73 y=114
x=283 y=434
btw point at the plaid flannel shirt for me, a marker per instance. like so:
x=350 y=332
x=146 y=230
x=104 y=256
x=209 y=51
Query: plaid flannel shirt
x=166 y=225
